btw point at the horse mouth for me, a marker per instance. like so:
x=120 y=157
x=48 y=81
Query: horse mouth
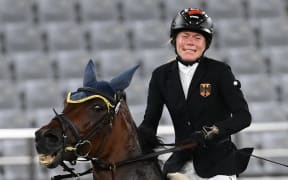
x=46 y=159
x=49 y=160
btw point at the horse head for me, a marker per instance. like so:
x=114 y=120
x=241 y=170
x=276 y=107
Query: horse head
x=91 y=123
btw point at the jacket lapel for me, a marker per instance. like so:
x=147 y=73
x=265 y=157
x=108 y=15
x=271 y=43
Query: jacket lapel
x=174 y=80
x=200 y=71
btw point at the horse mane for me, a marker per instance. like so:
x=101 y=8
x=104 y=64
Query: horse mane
x=148 y=140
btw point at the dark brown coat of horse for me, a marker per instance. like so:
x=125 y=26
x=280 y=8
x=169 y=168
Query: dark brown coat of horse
x=96 y=124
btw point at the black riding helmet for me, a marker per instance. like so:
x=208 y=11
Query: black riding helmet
x=195 y=20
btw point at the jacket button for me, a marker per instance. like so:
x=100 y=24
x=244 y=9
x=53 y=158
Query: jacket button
x=189 y=123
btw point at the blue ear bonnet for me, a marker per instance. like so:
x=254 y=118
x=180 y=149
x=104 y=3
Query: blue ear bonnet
x=104 y=88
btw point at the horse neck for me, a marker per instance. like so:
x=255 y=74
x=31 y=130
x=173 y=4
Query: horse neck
x=123 y=141
x=123 y=145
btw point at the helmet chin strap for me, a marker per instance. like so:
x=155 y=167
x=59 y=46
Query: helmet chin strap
x=188 y=63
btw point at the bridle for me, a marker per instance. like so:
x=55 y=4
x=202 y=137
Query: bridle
x=105 y=121
x=86 y=140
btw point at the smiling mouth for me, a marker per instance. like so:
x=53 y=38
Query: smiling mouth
x=189 y=50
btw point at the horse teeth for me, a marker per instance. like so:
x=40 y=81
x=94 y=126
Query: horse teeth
x=46 y=159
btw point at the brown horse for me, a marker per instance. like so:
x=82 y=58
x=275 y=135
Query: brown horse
x=96 y=125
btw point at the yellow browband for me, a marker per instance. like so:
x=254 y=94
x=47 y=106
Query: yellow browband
x=107 y=102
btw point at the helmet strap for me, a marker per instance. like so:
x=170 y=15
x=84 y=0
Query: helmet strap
x=188 y=63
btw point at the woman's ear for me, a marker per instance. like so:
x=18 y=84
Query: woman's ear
x=173 y=42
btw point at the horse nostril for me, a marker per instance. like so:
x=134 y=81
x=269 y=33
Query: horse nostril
x=51 y=137
x=48 y=141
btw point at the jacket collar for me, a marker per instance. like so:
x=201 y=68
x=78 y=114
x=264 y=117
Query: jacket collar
x=175 y=77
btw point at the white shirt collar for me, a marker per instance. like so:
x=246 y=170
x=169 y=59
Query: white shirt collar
x=187 y=69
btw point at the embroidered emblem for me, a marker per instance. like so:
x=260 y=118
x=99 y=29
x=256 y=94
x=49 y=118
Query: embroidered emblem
x=205 y=89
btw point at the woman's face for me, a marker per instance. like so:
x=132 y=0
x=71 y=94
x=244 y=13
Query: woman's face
x=190 y=45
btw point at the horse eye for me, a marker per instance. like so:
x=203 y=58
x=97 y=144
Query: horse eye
x=97 y=107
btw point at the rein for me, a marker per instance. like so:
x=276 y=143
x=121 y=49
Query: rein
x=106 y=166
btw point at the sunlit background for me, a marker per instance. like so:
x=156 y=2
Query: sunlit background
x=45 y=45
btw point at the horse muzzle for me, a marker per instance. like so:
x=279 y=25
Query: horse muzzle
x=49 y=143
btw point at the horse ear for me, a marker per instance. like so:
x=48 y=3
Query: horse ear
x=89 y=74
x=123 y=80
